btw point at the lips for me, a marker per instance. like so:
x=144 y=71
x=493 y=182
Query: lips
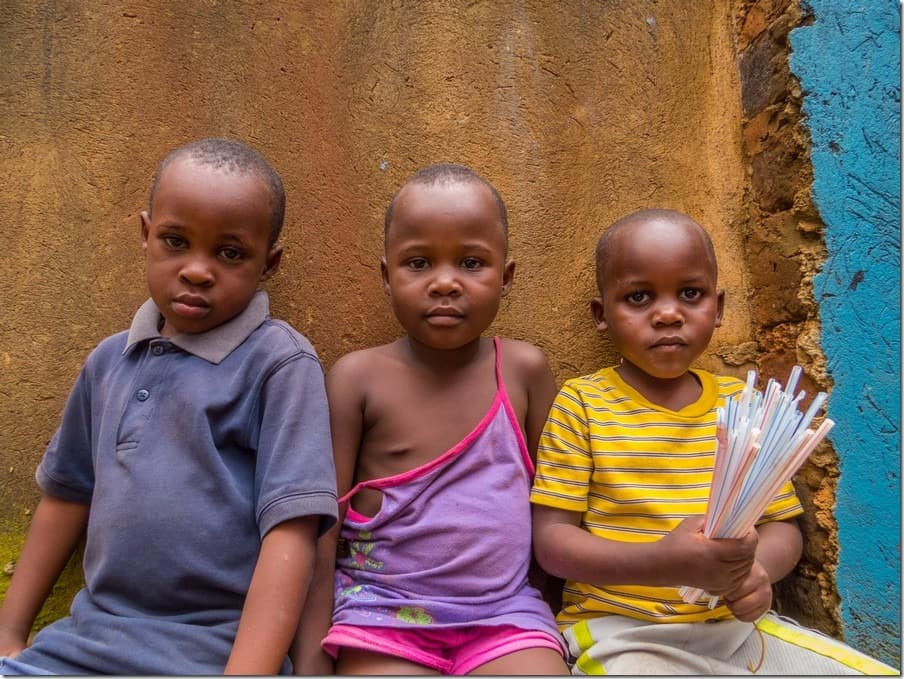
x=447 y=311
x=669 y=343
x=444 y=315
x=190 y=306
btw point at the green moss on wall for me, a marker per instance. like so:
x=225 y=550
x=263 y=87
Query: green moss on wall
x=70 y=581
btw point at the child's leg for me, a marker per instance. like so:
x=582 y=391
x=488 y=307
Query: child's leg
x=475 y=649
x=618 y=645
x=782 y=646
x=353 y=661
x=529 y=661
x=507 y=650
x=614 y=644
x=385 y=650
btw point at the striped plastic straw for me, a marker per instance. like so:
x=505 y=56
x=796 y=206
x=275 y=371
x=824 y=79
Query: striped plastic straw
x=762 y=439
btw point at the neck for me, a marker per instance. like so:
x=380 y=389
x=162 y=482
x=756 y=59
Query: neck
x=673 y=393
x=442 y=361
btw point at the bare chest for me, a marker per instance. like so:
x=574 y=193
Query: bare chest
x=408 y=425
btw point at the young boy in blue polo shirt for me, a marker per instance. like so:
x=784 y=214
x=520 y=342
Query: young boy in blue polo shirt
x=194 y=449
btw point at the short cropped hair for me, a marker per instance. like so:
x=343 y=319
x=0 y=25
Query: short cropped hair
x=649 y=214
x=232 y=156
x=448 y=173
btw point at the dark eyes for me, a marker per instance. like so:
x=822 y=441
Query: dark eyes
x=231 y=254
x=691 y=294
x=421 y=263
x=471 y=263
x=174 y=242
x=641 y=297
x=228 y=253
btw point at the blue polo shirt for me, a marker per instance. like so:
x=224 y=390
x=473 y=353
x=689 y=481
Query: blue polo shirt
x=188 y=449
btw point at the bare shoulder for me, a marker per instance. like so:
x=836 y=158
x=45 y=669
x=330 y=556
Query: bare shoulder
x=352 y=363
x=523 y=357
x=531 y=386
x=356 y=369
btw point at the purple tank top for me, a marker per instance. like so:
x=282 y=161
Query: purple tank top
x=450 y=545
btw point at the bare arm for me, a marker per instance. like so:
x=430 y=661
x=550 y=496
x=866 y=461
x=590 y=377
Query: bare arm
x=779 y=549
x=539 y=386
x=682 y=557
x=531 y=386
x=55 y=531
x=541 y=392
x=307 y=655
x=346 y=425
x=274 y=601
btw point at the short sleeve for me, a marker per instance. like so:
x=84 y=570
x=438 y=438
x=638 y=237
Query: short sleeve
x=294 y=472
x=785 y=505
x=564 y=457
x=67 y=470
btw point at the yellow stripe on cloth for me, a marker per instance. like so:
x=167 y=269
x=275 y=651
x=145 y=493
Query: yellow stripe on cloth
x=824 y=646
x=584 y=639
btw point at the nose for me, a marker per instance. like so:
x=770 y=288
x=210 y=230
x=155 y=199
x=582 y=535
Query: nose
x=667 y=312
x=445 y=283
x=196 y=271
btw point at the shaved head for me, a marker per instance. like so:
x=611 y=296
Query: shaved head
x=230 y=156
x=447 y=173
x=607 y=245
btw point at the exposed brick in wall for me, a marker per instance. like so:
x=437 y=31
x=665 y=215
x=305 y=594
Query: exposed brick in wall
x=784 y=247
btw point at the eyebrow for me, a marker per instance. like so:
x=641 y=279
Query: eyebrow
x=225 y=236
x=643 y=281
x=425 y=244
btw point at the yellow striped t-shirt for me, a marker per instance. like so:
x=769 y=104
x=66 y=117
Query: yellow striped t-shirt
x=634 y=470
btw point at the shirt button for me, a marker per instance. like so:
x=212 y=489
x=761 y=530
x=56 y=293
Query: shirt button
x=157 y=349
x=142 y=394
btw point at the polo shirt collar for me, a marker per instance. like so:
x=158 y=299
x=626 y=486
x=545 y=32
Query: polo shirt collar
x=215 y=344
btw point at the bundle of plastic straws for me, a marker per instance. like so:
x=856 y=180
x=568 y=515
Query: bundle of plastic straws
x=762 y=439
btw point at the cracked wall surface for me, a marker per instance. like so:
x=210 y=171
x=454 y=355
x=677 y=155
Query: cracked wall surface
x=784 y=248
x=578 y=113
x=848 y=60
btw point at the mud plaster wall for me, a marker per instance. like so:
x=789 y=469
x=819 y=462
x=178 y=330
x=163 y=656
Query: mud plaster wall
x=578 y=112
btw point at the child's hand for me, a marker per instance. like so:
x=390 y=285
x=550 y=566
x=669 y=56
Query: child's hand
x=717 y=566
x=753 y=598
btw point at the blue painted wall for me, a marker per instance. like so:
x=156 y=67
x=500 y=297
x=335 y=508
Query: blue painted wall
x=848 y=61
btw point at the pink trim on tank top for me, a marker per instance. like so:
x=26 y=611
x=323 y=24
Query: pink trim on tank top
x=500 y=399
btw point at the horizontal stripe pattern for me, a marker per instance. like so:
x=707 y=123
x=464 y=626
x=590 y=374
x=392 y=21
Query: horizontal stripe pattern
x=633 y=470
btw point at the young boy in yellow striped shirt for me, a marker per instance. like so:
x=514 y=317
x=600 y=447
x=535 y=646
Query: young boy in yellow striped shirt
x=623 y=474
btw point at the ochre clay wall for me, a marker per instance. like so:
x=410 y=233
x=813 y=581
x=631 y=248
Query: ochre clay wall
x=578 y=112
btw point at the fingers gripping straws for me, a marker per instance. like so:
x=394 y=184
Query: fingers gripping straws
x=762 y=440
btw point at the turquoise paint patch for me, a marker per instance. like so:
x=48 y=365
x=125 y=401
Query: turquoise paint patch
x=848 y=61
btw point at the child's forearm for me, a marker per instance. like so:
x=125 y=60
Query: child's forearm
x=779 y=549
x=55 y=530
x=275 y=598
x=307 y=655
x=568 y=551
x=682 y=557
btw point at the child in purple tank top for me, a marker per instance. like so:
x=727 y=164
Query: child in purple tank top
x=434 y=437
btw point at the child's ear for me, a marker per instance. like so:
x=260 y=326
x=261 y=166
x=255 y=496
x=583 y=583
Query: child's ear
x=384 y=274
x=274 y=257
x=508 y=277
x=145 y=228
x=598 y=311
x=720 y=302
